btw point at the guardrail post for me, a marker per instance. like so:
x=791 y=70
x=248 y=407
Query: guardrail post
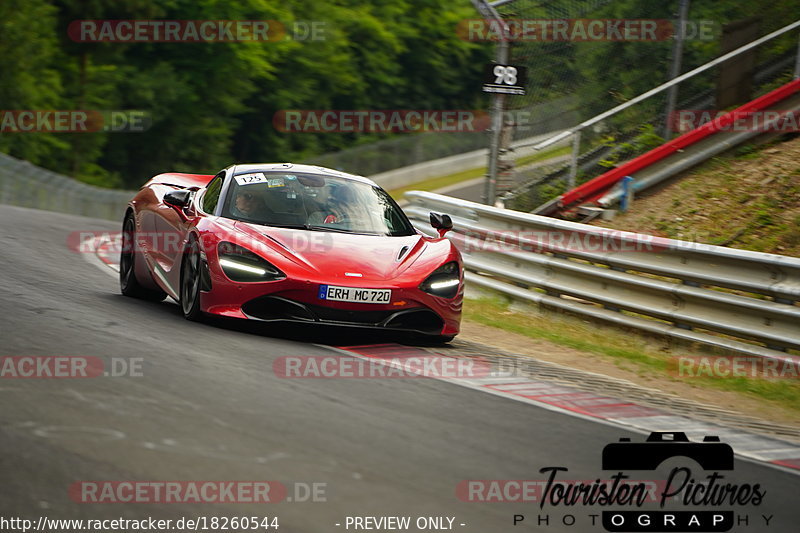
x=797 y=60
x=573 y=169
x=627 y=193
x=609 y=306
x=688 y=283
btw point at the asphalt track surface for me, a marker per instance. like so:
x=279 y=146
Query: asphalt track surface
x=209 y=407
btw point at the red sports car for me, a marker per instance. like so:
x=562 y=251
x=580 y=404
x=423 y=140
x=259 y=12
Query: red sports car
x=285 y=242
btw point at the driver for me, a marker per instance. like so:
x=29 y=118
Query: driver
x=341 y=206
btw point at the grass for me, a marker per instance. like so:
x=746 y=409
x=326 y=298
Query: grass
x=451 y=179
x=572 y=333
x=622 y=348
x=438 y=183
x=748 y=198
x=541 y=156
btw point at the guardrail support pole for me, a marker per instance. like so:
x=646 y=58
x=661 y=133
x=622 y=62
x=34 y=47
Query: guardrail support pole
x=627 y=193
x=573 y=168
x=797 y=60
x=609 y=306
x=675 y=68
x=678 y=303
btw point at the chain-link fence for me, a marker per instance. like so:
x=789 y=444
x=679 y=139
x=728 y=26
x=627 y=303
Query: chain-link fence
x=406 y=150
x=595 y=75
x=413 y=148
x=26 y=185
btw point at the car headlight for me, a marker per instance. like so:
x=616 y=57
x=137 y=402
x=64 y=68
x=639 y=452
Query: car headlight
x=444 y=281
x=240 y=264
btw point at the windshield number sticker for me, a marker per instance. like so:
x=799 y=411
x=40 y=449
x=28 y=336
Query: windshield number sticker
x=249 y=179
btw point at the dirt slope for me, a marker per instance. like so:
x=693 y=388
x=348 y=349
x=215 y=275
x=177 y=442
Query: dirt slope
x=747 y=199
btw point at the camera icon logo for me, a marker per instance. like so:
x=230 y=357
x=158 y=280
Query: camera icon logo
x=711 y=454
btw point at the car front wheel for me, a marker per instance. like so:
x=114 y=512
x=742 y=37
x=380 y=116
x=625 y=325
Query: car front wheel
x=190 y=282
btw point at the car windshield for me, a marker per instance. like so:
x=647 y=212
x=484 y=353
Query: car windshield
x=314 y=202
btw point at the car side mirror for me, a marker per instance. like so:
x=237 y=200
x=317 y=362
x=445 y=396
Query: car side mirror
x=178 y=199
x=441 y=223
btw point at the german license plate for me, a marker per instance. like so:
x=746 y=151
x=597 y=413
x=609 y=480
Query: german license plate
x=355 y=295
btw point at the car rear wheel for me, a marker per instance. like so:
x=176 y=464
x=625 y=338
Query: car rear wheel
x=128 y=284
x=190 y=282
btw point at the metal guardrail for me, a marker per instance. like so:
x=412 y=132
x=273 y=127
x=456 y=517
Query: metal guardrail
x=732 y=299
x=27 y=185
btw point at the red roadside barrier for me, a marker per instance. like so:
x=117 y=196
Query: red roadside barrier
x=597 y=187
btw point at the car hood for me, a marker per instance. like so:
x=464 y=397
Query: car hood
x=340 y=255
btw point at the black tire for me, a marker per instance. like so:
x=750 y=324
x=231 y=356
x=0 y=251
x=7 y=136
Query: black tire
x=128 y=284
x=442 y=339
x=190 y=282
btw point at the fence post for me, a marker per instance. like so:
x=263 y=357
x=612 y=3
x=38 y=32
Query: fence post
x=675 y=68
x=498 y=102
x=797 y=60
x=576 y=151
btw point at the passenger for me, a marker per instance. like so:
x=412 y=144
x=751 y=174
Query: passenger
x=250 y=205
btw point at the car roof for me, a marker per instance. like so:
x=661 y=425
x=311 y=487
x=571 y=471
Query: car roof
x=305 y=169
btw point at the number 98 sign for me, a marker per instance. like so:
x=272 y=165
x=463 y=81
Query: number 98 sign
x=505 y=79
x=505 y=74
